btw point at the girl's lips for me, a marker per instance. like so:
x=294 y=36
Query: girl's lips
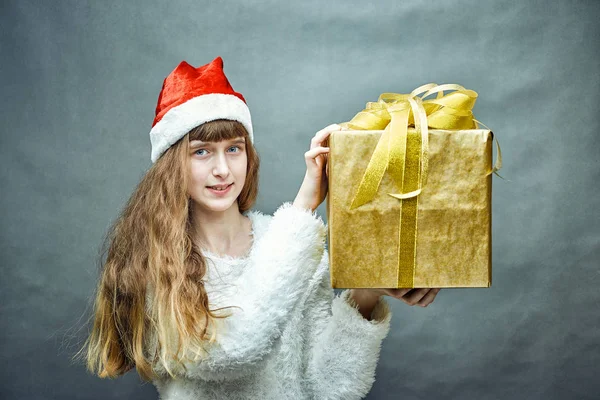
x=220 y=192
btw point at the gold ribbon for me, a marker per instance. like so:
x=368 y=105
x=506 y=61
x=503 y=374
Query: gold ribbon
x=394 y=113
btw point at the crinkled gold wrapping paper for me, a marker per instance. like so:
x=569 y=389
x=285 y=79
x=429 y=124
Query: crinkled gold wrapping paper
x=453 y=242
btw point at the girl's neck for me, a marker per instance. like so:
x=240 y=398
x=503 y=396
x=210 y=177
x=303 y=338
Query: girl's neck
x=220 y=232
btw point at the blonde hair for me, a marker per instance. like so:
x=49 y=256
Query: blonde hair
x=150 y=255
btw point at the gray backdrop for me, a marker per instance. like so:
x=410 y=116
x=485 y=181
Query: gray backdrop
x=79 y=83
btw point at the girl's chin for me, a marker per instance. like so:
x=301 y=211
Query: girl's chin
x=215 y=205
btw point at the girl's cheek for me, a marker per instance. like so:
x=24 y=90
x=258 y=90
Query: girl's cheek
x=198 y=175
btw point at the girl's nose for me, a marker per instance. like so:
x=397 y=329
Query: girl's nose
x=221 y=167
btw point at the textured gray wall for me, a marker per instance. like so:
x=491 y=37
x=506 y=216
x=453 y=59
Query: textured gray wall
x=79 y=83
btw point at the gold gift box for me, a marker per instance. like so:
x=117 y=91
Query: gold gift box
x=453 y=245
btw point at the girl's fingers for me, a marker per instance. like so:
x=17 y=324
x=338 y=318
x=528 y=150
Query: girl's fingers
x=414 y=296
x=428 y=298
x=397 y=293
x=313 y=153
x=329 y=129
x=323 y=134
x=422 y=297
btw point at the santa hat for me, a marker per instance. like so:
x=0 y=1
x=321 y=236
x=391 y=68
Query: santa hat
x=192 y=96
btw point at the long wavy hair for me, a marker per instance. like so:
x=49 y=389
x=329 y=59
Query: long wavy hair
x=151 y=308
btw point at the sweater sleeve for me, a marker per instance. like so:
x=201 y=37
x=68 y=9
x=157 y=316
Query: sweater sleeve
x=282 y=261
x=343 y=347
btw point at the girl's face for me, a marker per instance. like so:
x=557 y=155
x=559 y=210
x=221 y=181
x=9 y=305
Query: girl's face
x=222 y=164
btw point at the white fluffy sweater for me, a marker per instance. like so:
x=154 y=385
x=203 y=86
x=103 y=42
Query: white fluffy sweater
x=292 y=338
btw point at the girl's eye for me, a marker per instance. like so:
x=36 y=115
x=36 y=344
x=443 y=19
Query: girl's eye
x=201 y=154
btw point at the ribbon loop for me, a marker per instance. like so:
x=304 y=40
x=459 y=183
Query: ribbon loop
x=395 y=113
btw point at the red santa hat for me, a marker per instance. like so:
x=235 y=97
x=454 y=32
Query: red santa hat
x=192 y=96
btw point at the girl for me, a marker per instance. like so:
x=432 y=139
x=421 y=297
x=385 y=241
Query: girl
x=210 y=300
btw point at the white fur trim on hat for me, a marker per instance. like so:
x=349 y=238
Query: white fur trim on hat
x=181 y=119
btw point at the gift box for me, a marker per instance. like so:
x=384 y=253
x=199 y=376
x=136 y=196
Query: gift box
x=410 y=190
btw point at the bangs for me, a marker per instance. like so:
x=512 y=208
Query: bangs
x=218 y=130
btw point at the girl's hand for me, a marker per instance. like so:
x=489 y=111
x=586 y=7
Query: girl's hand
x=315 y=184
x=412 y=297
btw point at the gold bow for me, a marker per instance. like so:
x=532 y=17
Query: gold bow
x=394 y=113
